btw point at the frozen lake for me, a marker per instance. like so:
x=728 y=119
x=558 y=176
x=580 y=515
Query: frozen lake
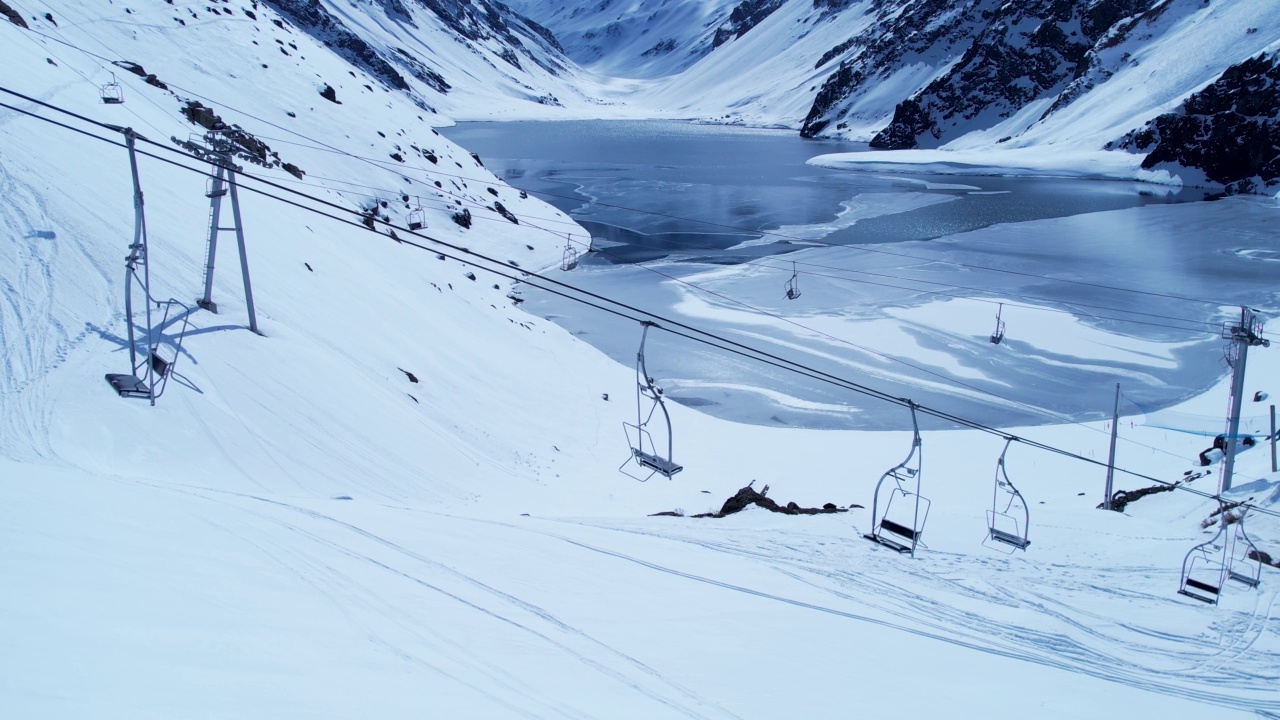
x=900 y=275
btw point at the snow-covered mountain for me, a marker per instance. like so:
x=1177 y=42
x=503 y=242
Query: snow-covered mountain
x=402 y=499
x=904 y=74
x=634 y=38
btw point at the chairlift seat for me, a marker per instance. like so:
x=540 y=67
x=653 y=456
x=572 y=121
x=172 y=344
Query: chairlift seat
x=1009 y=538
x=888 y=542
x=996 y=338
x=159 y=364
x=660 y=465
x=128 y=385
x=1248 y=580
x=1210 y=592
x=415 y=225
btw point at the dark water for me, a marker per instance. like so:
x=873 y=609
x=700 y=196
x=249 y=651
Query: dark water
x=670 y=205
x=663 y=187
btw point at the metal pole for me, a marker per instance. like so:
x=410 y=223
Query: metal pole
x=139 y=253
x=132 y=260
x=244 y=256
x=1241 y=340
x=215 y=214
x=1111 y=455
x=1273 y=438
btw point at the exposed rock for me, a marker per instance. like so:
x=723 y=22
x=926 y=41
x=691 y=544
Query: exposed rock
x=504 y=212
x=1025 y=51
x=1121 y=498
x=328 y=93
x=745 y=16
x=748 y=496
x=13 y=15
x=1230 y=130
x=463 y=218
x=312 y=17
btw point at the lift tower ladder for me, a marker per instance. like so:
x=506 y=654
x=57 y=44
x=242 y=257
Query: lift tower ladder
x=222 y=184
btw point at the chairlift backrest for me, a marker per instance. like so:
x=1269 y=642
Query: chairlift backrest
x=998 y=335
x=644 y=452
x=111 y=93
x=1008 y=518
x=898 y=522
x=570 y=259
x=1205 y=568
x=1244 y=561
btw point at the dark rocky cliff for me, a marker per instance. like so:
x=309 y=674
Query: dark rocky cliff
x=1230 y=130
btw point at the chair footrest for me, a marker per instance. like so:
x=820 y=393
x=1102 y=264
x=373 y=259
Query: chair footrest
x=1009 y=538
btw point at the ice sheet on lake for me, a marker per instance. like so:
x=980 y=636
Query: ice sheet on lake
x=861 y=207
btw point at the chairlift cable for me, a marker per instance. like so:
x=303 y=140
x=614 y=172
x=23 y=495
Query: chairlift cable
x=689 y=332
x=864 y=248
x=954 y=419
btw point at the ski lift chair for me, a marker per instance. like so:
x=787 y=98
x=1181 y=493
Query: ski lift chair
x=1245 y=566
x=901 y=524
x=417 y=219
x=1008 y=518
x=111 y=93
x=151 y=374
x=644 y=453
x=570 y=259
x=793 y=285
x=997 y=336
x=1205 y=567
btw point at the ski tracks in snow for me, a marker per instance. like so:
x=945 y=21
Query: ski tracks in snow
x=37 y=325
x=414 y=638
x=1045 y=615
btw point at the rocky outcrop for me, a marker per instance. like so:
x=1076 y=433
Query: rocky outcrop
x=1230 y=130
x=745 y=16
x=969 y=64
x=311 y=17
x=748 y=496
x=1024 y=52
x=927 y=33
x=13 y=15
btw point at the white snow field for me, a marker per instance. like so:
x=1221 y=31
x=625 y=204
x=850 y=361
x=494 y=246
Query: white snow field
x=298 y=530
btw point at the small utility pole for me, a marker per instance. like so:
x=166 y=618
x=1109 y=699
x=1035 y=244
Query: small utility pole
x=1111 y=456
x=1273 y=438
x=1243 y=335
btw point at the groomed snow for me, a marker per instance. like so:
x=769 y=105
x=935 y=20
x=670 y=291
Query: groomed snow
x=298 y=530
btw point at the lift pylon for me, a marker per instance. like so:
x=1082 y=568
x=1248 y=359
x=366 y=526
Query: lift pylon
x=222 y=184
x=643 y=451
x=901 y=524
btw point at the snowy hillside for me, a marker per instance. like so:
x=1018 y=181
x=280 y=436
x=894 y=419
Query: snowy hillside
x=632 y=38
x=402 y=498
x=985 y=74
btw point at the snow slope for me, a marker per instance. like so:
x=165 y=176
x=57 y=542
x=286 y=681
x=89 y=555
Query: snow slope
x=632 y=38
x=297 y=529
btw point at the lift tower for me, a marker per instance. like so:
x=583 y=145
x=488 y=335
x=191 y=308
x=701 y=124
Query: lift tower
x=1241 y=335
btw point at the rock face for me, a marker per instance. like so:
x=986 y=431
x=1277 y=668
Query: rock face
x=745 y=16
x=971 y=64
x=13 y=15
x=1021 y=52
x=1230 y=130
x=482 y=23
x=749 y=496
